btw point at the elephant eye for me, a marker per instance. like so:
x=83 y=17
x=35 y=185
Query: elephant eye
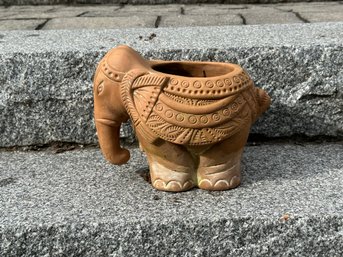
x=101 y=88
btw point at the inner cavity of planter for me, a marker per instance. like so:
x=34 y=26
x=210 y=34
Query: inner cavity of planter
x=193 y=69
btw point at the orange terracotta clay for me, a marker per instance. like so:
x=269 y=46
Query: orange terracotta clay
x=192 y=119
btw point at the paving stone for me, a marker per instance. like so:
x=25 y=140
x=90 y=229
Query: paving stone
x=326 y=7
x=168 y=8
x=101 y=22
x=263 y=14
x=20 y=24
x=200 y=20
x=85 y=8
x=30 y=8
x=212 y=9
x=84 y=11
x=75 y=204
x=322 y=17
x=142 y=10
x=29 y=12
x=252 y=18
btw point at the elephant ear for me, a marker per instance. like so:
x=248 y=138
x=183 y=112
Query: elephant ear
x=139 y=92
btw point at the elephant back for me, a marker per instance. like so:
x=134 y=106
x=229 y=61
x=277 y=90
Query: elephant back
x=188 y=111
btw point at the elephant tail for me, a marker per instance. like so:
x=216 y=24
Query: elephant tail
x=263 y=100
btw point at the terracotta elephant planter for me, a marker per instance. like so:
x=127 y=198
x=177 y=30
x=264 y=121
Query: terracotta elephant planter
x=192 y=119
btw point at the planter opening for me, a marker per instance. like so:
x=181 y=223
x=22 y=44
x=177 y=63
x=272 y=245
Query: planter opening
x=193 y=69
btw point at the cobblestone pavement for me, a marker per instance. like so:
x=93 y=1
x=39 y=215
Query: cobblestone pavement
x=176 y=15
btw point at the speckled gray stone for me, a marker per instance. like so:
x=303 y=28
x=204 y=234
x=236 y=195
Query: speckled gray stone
x=101 y=22
x=76 y=204
x=200 y=20
x=255 y=17
x=43 y=2
x=20 y=24
x=46 y=89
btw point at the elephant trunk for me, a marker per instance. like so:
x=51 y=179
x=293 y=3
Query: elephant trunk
x=108 y=134
x=109 y=113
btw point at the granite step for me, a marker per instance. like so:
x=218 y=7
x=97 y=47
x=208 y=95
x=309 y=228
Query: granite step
x=76 y=204
x=46 y=76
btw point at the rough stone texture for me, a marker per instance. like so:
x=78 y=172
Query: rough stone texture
x=139 y=10
x=46 y=89
x=75 y=204
x=214 y=9
x=252 y=18
x=44 y=2
x=314 y=12
x=54 y=11
x=322 y=17
x=331 y=7
x=101 y=22
x=20 y=24
x=156 y=9
x=200 y=20
x=34 y=14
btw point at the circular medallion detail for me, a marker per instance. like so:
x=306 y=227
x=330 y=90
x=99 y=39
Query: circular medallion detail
x=236 y=79
x=179 y=117
x=159 y=107
x=209 y=83
x=226 y=112
x=192 y=119
x=215 y=117
x=174 y=82
x=234 y=107
x=169 y=113
x=204 y=119
x=228 y=82
x=197 y=84
x=220 y=83
x=185 y=84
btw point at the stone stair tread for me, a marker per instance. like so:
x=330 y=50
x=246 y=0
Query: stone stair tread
x=46 y=93
x=75 y=201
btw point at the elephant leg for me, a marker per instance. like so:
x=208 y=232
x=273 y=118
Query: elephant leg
x=220 y=167
x=171 y=166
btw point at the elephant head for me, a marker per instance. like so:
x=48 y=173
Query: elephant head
x=109 y=111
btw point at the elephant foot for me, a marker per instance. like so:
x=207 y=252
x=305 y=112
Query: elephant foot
x=177 y=179
x=219 y=177
x=173 y=185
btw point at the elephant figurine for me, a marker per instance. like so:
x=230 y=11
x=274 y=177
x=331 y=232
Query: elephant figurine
x=192 y=119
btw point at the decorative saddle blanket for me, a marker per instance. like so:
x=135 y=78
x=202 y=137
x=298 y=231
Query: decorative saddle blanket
x=193 y=111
